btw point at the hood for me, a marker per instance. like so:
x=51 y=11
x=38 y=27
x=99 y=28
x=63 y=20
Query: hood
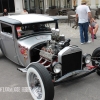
x=31 y=41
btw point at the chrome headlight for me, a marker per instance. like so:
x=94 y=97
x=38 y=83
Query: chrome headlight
x=87 y=58
x=57 y=68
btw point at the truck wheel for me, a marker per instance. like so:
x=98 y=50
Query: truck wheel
x=39 y=82
x=96 y=53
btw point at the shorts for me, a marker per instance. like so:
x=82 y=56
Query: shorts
x=92 y=24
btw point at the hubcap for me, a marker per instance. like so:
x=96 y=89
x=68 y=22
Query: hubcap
x=35 y=85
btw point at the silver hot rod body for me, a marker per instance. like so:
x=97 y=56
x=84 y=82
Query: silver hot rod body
x=47 y=57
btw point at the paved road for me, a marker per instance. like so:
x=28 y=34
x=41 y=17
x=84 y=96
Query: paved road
x=84 y=89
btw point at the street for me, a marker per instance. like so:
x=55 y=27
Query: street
x=86 y=88
x=13 y=84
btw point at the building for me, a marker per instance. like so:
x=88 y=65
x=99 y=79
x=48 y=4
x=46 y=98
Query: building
x=16 y=6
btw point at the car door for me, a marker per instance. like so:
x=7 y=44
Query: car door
x=7 y=42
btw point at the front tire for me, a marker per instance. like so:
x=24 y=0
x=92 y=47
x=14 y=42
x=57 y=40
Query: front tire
x=96 y=53
x=39 y=82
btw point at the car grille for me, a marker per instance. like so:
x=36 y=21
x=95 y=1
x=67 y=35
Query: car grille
x=71 y=62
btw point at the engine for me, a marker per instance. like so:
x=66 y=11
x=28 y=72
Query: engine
x=49 y=53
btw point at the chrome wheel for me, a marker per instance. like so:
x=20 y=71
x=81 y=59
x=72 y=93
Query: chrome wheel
x=35 y=85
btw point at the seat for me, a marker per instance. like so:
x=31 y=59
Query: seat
x=53 y=12
x=32 y=11
x=38 y=11
x=70 y=18
x=64 y=12
x=75 y=24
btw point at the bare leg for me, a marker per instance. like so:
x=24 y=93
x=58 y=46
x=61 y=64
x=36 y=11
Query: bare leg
x=95 y=29
x=90 y=31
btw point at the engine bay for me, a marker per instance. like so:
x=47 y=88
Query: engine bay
x=49 y=50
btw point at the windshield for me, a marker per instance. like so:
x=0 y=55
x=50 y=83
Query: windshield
x=32 y=29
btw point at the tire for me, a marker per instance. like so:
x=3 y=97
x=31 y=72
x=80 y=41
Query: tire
x=98 y=72
x=39 y=82
x=96 y=53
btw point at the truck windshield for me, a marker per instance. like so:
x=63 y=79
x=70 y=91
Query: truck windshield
x=32 y=29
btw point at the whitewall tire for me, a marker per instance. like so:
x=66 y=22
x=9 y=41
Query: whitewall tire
x=39 y=82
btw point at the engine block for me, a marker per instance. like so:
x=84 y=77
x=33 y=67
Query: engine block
x=46 y=55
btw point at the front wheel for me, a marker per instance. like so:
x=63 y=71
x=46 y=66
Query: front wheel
x=96 y=57
x=39 y=82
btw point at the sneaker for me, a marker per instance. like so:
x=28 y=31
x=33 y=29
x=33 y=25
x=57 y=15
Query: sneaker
x=88 y=42
x=82 y=43
x=95 y=37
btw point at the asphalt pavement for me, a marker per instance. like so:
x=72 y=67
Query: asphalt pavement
x=86 y=88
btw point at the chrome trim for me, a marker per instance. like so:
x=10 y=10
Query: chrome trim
x=71 y=74
x=44 y=62
x=39 y=60
x=68 y=50
x=47 y=66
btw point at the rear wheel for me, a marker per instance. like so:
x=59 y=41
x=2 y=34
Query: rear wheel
x=95 y=57
x=39 y=82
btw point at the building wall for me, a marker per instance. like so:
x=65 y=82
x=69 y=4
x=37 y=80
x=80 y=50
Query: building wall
x=20 y=4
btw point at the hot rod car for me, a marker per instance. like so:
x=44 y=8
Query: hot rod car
x=47 y=57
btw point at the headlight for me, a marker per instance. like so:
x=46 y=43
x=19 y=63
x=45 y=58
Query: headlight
x=57 y=68
x=87 y=58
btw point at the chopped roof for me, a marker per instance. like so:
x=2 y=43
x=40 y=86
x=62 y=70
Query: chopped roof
x=26 y=18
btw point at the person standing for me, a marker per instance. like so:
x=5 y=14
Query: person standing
x=5 y=13
x=83 y=13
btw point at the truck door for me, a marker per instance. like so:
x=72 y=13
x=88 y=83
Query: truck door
x=7 y=42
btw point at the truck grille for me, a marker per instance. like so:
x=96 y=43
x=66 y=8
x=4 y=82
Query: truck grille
x=71 y=62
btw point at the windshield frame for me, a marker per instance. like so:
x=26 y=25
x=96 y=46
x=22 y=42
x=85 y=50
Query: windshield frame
x=36 y=33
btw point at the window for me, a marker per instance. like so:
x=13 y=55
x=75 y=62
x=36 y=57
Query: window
x=6 y=28
x=55 y=4
x=32 y=29
x=11 y=6
x=34 y=5
x=67 y=3
x=7 y=4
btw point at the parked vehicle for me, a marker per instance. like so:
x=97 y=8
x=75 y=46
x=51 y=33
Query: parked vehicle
x=48 y=58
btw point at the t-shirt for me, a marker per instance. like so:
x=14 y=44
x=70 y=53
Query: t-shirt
x=5 y=13
x=82 y=12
